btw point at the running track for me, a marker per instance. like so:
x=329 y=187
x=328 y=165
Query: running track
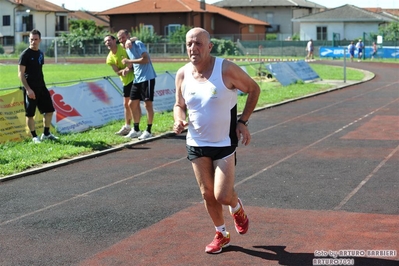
x=320 y=175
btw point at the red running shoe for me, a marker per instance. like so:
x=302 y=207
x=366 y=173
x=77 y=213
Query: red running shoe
x=241 y=221
x=218 y=243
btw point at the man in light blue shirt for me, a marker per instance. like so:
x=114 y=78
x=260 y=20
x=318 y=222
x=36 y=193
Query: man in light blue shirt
x=143 y=84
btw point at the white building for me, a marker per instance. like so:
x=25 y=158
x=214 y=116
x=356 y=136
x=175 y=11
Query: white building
x=278 y=13
x=19 y=17
x=348 y=22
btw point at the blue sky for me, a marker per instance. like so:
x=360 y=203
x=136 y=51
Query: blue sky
x=96 y=5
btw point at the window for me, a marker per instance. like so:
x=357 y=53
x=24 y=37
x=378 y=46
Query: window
x=61 y=23
x=251 y=28
x=25 y=38
x=270 y=18
x=321 y=33
x=6 y=20
x=169 y=29
x=255 y=15
x=149 y=28
x=27 y=23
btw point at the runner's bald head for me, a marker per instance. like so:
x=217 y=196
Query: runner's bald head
x=199 y=32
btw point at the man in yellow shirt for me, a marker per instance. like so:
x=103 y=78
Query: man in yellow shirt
x=114 y=59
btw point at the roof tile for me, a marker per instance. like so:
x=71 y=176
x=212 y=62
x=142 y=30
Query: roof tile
x=263 y=3
x=343 y=13
x=39 y=5
x=176 y=6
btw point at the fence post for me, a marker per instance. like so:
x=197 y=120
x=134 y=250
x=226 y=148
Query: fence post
x=344 y=64
x=55 y=50
x=364 y=46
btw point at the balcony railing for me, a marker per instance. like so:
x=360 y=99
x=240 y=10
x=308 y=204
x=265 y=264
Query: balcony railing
x=61 y=27
x=274 y=29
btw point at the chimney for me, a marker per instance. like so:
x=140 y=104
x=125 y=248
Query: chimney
x=202 y=5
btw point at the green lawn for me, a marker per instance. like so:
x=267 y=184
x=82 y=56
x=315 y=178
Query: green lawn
x=61 y=73
x=19 y=156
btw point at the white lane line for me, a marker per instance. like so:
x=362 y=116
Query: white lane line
x=90 y=192
x=322 y=108
x=350 y=195
x=320 y=140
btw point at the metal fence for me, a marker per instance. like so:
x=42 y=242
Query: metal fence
x=246 y=48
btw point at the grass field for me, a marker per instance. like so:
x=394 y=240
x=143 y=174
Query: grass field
x=63 y=73
x=19 y=156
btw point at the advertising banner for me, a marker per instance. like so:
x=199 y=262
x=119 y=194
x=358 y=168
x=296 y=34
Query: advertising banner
x=80 y=106
x=12 y=118
x=291 y=72
x=338 y=52
x=164 y=93
x=93 y=104
x=84 y=105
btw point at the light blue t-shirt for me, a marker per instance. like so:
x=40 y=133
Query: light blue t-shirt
x=142 y=72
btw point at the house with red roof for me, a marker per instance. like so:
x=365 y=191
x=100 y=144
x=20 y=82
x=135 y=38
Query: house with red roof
x=19 y=17
x=162 y=16
x=278 y=13
x=99 y=20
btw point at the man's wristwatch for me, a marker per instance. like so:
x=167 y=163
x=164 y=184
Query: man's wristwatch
x=243 y=122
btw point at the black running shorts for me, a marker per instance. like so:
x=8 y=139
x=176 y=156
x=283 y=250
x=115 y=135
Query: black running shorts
x=215 y=153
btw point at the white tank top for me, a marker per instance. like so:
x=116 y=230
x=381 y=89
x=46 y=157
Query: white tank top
x=212 y=109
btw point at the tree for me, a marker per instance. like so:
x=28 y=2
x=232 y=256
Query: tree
x=82 y=32
x=390 y=31
x=179 y=36
x=145 y=35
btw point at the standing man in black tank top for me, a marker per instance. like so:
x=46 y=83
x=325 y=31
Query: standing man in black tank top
x=206 y=90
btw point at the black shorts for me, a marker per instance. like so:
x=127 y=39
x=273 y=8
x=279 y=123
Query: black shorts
x=127 y=89
x=43 y=102
x=143 y=91
x=215 y=153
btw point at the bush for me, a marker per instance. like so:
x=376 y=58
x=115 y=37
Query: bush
x=20 y=48
x=145 y=35
x=1 y=50
x=224 y=47
x=50 y=51
x=296 y=37
x=179 y=36
x=271 y=36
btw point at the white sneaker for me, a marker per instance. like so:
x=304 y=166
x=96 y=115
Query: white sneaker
x=49 y=136
x=36 y=140
x=133 y=134
x=145 y=135
x=123 y=131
